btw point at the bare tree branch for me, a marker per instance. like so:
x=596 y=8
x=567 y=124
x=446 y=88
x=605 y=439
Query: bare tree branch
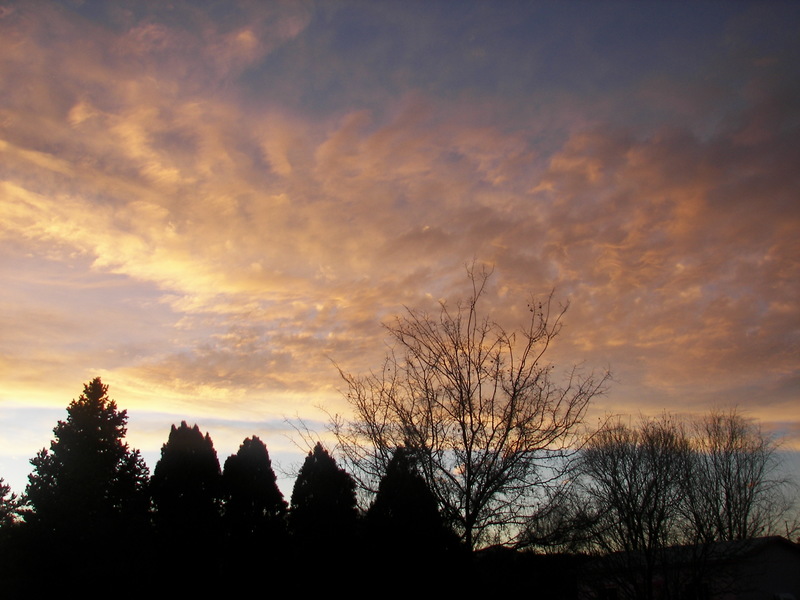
x=477 y=405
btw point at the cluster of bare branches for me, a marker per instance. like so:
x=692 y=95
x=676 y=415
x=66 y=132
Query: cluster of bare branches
x=500 y=443
x=735 y=489
x=640 y=492
x=479 y=408
x=666 y=482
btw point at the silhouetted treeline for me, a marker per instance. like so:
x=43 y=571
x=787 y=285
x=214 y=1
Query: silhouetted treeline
x=93 y=518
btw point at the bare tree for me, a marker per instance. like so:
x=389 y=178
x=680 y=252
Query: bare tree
x=479 y=408
x=665 y=500
x=631 y=478
x=735 y=490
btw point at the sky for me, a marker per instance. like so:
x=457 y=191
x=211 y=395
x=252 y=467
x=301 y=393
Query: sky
x=214 y=206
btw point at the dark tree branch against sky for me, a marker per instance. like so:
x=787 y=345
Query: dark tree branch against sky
x=479 y=408
x=206 y=203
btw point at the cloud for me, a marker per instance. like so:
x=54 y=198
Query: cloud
x=679 y=247
x=223 y=247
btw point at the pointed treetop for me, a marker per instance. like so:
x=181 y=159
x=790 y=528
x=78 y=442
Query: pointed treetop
x=94 y=412
x=94 y=390
x=89 y=471
x=251 y=488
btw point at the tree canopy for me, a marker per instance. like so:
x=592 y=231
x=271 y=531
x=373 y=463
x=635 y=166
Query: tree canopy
x=254 y=506
x=9 y=507
x=89 y=478
x=644 y=489
x=186 y=486
x=404 y=519
x=736 y=490
x=323 y=506
x=634 y=480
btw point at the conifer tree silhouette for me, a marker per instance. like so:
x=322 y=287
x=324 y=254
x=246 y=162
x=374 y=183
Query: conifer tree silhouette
x=87 y=494
x=186 y=490
x=187 y=482
x=254 y=506
x=323 y=511
x=90 y=481
x=254 y=514
x=404 y=518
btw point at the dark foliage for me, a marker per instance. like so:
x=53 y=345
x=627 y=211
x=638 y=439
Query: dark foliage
x=254 y=506
x=9 y=507
x=186 y=489
x=88 y=491
x=14 y=556
x=89 y=480
x=323 y=511
x=500 y=572
x=254 y=512
x=187 y=483
x=405 y=532
x=10 y=523
x=404 y=519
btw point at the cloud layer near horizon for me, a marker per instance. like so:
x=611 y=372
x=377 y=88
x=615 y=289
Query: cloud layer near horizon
x=208 y=209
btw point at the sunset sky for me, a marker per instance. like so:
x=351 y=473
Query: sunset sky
x=212 y=204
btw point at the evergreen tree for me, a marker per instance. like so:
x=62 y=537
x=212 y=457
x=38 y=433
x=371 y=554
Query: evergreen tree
x=9 y=507
x=404 y=519
x=186 y=486
x=407 y=534
x=254 y=515
x=89 y=482
x=323 y=509
x=186 y=489
x=88 y=495
x=254 y=506
x=13 y=553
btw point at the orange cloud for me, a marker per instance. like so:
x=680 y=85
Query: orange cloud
x=237 y=244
